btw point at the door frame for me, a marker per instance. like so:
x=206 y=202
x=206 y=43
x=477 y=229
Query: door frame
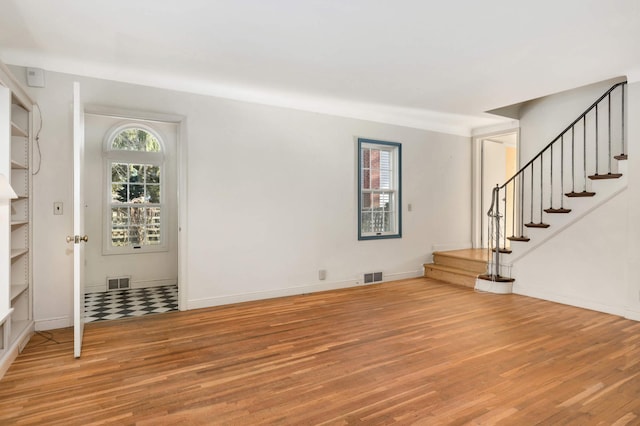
x=476 y=186
x=182 y=187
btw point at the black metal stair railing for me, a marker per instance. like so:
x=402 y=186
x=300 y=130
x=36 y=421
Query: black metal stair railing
x=518 y=203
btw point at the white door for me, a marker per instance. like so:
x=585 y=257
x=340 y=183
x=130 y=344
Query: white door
x=79 y=237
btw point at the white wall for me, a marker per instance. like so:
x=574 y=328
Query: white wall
x=543 y=119
x=632 y=245
x=271 y=196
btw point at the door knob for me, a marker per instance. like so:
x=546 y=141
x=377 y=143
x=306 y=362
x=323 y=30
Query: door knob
x=77 y=239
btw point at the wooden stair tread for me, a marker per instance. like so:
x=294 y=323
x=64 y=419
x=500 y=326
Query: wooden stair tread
x=561 y=210
x=536 y=225
x=498 y=278
x=580 y=194
x=607 y=176
x=621 y=157
x=503 y=250
x=520 y=238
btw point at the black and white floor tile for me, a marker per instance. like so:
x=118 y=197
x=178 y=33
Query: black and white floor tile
x=129 y=303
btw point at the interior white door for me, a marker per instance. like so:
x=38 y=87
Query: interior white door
x=493 y=173
x=79 y=237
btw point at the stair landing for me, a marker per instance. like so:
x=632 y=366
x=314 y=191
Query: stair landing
x=459 y=267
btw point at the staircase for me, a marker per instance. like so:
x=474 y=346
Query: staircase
x=459 y=267
x=581 y=169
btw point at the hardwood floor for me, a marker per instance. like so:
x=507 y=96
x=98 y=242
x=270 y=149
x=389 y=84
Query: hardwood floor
x=413 y=351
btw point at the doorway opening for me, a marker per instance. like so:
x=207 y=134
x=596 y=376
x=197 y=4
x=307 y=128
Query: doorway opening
x=131 y=205
x=495 y=160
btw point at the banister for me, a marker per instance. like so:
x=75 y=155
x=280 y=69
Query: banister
x=554 y=140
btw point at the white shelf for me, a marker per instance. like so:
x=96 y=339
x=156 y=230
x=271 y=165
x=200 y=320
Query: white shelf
x=4 y=316
x=17 y=290
x=17 y=223
x=18 y=166
x=15 y=253
x=18 y=131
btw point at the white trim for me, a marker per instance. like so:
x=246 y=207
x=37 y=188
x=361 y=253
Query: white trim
x=53 y=323
x=632 y=315
x=182 y=174
x=294 y=291
x=569 y=300
x=476 y=170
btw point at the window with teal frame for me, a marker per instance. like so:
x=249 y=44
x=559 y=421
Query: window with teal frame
x=379 y=189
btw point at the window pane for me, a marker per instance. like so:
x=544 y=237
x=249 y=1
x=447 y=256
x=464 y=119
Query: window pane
x=375 y=178
x=365 y=158
x=375 y=158
x=135 y=140
x=136 y=235
x=378 y=221
x=366 y=179
x=153 y=174
x=136 y=193
x=366 y=200
x=119 y=236
x=152 y=216
x=153 y=235
x=118 y=193
x=365 y=222
x=153 y=194
x=119 y=172
x=136 y=173
x=120 y=216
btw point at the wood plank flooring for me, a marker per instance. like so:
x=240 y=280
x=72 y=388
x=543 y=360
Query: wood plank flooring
x=407 y=352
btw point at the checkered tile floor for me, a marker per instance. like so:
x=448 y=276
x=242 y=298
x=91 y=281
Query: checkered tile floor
x=129 y=303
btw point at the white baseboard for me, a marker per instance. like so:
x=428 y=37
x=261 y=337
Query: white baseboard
x=571 y=301
x=292 y=291
x=53 y=323
x=632 y=315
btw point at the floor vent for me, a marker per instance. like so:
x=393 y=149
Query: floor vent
x=372 y=277
x=118 y=283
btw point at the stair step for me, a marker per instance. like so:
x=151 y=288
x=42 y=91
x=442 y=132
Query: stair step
x=562 y=210
x=536 y=225
x=520 y=238
x=580 y=194
x=503 y=250
x=472 y=261
x=450 y=275
x=498 y=278
x=607 y=176
x=621 y=157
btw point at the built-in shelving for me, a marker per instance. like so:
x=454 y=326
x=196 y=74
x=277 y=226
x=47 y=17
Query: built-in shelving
x=16 y=311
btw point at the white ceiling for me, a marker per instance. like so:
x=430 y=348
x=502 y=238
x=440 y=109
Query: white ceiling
x=410 y=62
